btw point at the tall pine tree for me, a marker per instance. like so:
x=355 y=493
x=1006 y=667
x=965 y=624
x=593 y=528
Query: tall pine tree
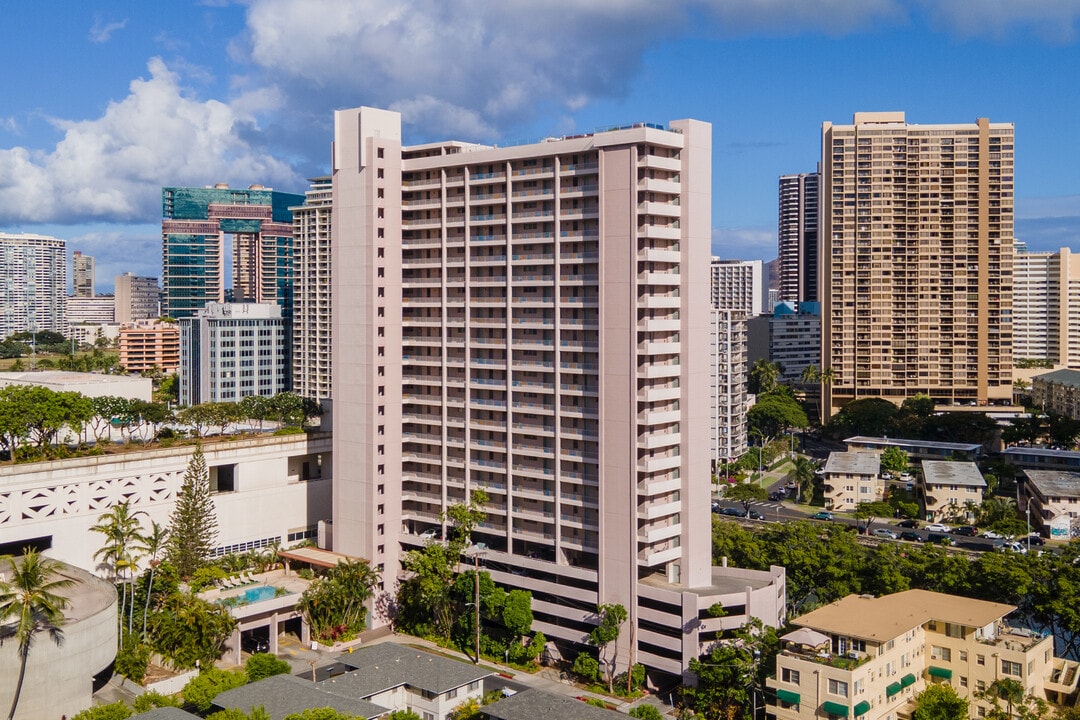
x=193 y=525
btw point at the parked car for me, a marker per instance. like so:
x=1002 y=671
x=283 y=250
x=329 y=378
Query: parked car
x=911 y=536
x=991 y=535
x=252 y=643
x=777 y=495
x=822 y=515
x=939 y=538
x=731 y=512
x=716 y=506
x=966 y=531
x=884 y=533
x=1011 y=547
x=754 y=515
x=909 y=524
x=938 y=528
x=1035 y=540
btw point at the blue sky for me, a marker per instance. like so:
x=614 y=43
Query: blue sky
x=103 y=103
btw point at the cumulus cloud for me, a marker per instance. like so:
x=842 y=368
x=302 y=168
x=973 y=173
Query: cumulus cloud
x=102 y=31
x=112 y=168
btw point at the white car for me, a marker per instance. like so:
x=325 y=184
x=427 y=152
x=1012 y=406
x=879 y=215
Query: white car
x=991 y=535
x=937 y=527
x=885 y=533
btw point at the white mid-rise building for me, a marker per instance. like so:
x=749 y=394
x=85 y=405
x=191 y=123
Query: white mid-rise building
x=231 y=350
x=728 y=385
x=739 y=285
x=1046 y=307
x=137 y=298
x=96 y=310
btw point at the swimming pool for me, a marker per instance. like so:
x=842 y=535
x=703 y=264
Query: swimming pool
x=258 y=594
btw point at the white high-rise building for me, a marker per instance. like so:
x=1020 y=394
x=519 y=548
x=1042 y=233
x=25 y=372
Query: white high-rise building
x=33 y=284
x=231 y=350
x=1046 y=307
x=533 y=321
x=729 y=374
x=312 y=289
x=740 y=285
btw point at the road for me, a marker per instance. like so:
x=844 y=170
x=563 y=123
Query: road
x=781 y=512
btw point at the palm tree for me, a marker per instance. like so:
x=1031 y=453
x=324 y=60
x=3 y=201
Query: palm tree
x=121 y=551
x=153 y=543
x=29 y=604
x=804 y=476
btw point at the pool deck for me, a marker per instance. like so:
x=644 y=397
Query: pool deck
x=291 y=583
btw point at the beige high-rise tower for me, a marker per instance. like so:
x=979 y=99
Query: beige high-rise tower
x=917 y=253
x=533 y=321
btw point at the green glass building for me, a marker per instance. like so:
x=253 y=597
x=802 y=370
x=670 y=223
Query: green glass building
x=196 y=225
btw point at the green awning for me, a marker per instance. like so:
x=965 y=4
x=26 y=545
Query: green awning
x=861 y=708
x=893 y=689
x=787 y=696
x=835 y=708
x=907 y=681
x=943 y=673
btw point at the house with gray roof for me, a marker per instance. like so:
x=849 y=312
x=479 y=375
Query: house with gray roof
x=1054 y=499
x=535 y=704
x=402 y=677
x=282 y=695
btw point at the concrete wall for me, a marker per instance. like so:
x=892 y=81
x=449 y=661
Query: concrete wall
x=59 y=680
x=63 y=499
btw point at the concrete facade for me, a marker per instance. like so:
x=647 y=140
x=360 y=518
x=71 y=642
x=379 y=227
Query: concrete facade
x=917 y=260
x=60 y=680
x=739 y=285
x=266 y=489
x=728 y=385
x=82 y=275
x=530 y=321
x=89 y=384
x=1057 y=391
x=1051 y=495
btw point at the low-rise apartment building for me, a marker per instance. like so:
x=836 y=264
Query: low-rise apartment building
x=868 y=658
x=1057 y=392
x=851 y=478
x=1053 y=497
x=949 y=487
x=917 y=449
x=148 y=345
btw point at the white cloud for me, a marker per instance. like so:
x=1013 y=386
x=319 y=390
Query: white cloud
x=1053 y=20
x=102 y=32
x=744 y=243
x=112 y=168
x=1048 y=207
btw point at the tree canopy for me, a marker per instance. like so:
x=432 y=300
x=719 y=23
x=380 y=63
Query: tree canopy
x=193 y=524
x=775 y=413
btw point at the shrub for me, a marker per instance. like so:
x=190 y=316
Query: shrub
x=263 y=665
x=153 y=699
x=132 y=659
x=646 y=712
x=113 y=711
x=202 y=689
x=596 y=702
x=205 y=576
x=587 y=668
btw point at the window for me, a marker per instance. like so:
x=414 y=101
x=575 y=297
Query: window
x=1009 y=667
x=940 y=653
x=838 y=687
x=963 y=656
x=790 y=676
x=963 y=681
x=474 y=685
x=980 y=659
x=451 y=694
x=954 y=630
x=859 y=645
x=980 y=685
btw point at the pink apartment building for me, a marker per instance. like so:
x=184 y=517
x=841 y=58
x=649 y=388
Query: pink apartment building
x=534 y=321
